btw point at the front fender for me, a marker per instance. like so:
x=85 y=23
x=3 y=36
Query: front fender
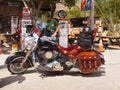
x=11 y=57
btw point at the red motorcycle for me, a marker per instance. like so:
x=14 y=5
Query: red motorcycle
x=46 y=54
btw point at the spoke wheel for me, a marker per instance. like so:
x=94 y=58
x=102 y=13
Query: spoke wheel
x=15 y=66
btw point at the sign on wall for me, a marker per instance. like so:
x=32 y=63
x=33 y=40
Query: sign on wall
x=26 y=13
x=14 y=24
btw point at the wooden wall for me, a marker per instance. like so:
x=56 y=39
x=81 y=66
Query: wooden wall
x=6 y=10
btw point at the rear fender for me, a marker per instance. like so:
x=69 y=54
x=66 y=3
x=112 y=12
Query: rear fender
x=101 y=56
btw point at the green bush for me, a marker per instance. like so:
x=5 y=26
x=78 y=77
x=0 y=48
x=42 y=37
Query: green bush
x=112 y=33
x=73 y=12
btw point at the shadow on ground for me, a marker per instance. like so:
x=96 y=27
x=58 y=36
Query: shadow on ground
x=2 y=67
x=53 y=74
x=63 y=73
x=11 y=79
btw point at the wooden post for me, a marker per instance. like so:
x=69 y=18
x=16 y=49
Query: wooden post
x=0 y=44
x=92 y=15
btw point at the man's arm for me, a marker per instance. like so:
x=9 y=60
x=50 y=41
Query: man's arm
x=56 y=31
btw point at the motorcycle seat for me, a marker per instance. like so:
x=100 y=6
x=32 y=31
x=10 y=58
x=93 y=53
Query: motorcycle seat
x=71 y=50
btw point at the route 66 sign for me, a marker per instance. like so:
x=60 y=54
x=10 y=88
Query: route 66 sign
x=26 y=13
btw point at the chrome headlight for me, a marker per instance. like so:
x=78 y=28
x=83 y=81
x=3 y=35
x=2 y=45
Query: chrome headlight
x=29 y=43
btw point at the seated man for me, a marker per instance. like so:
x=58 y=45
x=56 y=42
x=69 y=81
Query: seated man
x=51 y=26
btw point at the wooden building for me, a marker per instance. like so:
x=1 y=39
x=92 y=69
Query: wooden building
x=8 y=8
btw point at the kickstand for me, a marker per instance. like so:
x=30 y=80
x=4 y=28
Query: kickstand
x=43 y=75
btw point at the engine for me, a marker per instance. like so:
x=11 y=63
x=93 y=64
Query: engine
x=51 y=58
x=48 y=54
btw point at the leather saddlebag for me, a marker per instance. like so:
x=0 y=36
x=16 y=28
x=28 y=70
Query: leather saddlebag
x=89 y=62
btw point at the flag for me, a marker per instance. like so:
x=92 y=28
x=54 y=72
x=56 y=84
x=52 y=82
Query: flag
x=85 y=5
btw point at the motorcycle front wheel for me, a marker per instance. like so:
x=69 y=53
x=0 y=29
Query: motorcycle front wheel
x=15 y=66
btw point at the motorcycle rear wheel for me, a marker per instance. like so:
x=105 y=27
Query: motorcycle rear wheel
x=14 y=66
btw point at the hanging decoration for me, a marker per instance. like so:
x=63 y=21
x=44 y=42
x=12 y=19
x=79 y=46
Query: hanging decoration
x=85 y=5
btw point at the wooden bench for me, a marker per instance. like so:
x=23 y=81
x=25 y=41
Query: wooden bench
x=110 y=40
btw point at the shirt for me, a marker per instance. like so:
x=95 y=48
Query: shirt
x=51 y=25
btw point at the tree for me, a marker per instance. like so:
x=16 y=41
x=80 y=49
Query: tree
x=38 y=5
x=109 y=11
x=70 y=3
x=35 y=7
x=74 y=12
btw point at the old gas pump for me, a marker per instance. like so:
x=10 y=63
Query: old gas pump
x=63 y=32
x=26 y=20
